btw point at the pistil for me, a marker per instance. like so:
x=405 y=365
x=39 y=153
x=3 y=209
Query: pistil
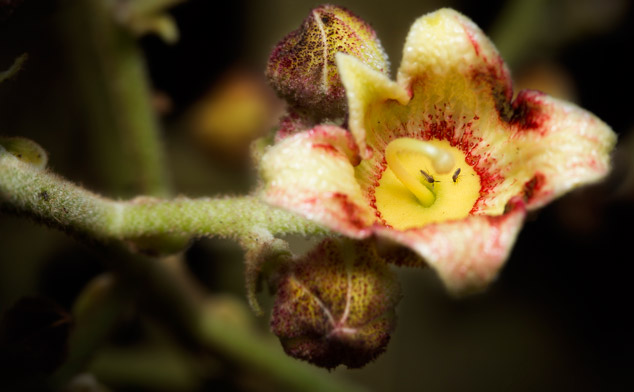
x=441 y=160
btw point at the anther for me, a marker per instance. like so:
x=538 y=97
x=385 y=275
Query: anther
x=455 y=175
x=429 y=178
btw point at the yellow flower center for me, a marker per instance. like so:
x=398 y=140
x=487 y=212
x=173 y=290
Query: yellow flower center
x=425 y=182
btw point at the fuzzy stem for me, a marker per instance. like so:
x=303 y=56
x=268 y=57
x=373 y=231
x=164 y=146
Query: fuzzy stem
x=59 y=203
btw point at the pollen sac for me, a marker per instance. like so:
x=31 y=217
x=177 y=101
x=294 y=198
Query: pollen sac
x=336 y=305
x=302 y=67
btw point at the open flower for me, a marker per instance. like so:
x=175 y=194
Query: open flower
x=443 y=160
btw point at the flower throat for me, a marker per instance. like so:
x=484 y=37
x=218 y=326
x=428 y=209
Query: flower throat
x=425 y=182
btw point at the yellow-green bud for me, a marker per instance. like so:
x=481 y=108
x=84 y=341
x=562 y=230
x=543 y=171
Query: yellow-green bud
x=336 y=305
x=302 y=66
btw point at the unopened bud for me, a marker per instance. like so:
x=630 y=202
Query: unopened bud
x=302 y=66
x=336 y=305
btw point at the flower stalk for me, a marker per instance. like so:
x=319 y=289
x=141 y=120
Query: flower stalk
x=27 y=190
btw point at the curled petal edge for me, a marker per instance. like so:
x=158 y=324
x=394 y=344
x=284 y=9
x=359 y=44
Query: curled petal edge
x=467 y=254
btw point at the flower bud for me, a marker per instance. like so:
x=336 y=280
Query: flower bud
x=302 y=67
x=336 y=305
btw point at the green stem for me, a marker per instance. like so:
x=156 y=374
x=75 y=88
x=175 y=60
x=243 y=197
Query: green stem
x=14 y=68
x=115 y=98
x=102 y=303
x=173 y=300
x=267 y=357
x=141 y=8
x=25 y=189
x=516 y=31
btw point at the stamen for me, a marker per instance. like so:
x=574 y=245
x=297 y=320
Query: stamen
x=429 y=178
x=455 y=175
x=441 y=160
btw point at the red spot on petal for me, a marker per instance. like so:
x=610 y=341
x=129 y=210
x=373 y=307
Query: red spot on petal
x=533 y=187
x=528 y=112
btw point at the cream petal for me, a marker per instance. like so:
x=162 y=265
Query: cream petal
x=553 y=147
x=467 y=254
x=365 y=88
x=311 y=173
x=457 y=84
x=445 y=51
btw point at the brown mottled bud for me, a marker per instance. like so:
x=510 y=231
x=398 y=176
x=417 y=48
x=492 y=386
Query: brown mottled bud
x=336 y=305
x=302 y=66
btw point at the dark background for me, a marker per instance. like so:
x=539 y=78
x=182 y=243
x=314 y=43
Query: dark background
x=555 y=319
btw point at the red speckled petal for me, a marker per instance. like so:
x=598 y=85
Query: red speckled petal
x=452 y=85
x=467 y=254
x=447 y=54
x=554 y=146
x=312 y=173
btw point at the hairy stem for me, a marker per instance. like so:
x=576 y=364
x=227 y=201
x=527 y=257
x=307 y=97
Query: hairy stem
x=26 y=190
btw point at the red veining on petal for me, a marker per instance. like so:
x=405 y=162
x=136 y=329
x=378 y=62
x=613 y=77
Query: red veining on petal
x=353 y=214
x=490 y=249
x=335 y=140
x=474 y=42
x=440 y=124
x=325 y=146
x=371 y=193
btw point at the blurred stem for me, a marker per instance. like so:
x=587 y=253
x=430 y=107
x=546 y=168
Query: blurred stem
x=144 y=8
x=96 y=311
x=516 y=30
x=14 y=68
x=110 y=70
x=252 y=352
x=27 y=190
x=174 y=299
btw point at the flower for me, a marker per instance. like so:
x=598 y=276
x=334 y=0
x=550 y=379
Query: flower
x=443 y=160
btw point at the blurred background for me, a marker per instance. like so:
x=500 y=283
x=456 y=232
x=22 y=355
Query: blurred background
x=554 y=320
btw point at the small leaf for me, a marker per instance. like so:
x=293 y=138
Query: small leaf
x=264 y=254
x=25 y=150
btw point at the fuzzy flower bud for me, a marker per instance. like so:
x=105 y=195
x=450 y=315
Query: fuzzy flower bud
x=302 y=67
x=336 y=305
